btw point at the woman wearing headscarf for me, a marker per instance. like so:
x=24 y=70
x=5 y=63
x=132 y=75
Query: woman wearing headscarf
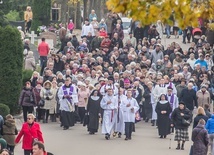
x=163 y=109
x=47 y=94
x=93 y=108
x=29 y=61
x=180 y=118
x=9 y=131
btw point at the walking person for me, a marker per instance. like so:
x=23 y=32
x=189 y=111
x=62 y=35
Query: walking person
x=8 y=132
x=93 y=108
x=109 y=104
x=83 y=94
x=129 y=107
x=67 y=95
x=180 y=120
x=43 y=50
x=200 y=115
x=200 y=139
x=163 y=110
x=27 y=100
x=30 y=132
x=210 y=129
x=47 y=94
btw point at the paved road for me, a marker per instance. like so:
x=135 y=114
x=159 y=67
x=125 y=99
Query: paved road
x=78 y=142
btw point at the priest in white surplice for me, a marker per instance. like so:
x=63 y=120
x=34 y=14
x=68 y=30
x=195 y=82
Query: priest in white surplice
x=129 y=107
x=109 y=104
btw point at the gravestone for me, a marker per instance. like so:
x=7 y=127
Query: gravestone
x=50 y=38
x=32 y=37
x=34 y=49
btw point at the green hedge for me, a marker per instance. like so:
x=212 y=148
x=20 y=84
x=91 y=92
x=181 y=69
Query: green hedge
x=11 y=62
x=26 y=75
x=4 y=110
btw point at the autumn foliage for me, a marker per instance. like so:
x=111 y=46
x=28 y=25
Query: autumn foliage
x=185 y=12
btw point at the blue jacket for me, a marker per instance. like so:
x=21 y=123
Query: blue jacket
x=202 y=63
x=210 y=125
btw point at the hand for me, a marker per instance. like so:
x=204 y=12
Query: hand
x=109 y=102
x=172 y=125
x=132 y=110
x=182 y=114
x=128 y=105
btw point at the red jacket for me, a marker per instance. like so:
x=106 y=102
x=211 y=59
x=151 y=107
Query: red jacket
x=103 y=34
x=105 y=43
x=43 y=49
x=29 y=133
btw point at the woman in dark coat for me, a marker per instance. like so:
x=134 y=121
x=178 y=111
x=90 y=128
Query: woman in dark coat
x=200 y=115
x=181 y=129
x=147 y=102
x=200 y=139
x=163 y=109
x=93 y=108
x=58 y=64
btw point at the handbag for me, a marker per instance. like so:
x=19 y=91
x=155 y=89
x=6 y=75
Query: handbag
x=42 y=103
x=185 y=122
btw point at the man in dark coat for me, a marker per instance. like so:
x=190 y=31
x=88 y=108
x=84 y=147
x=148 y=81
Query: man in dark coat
x=95 y=43
x=188 y=96
x=138 y=32
x=116 y=42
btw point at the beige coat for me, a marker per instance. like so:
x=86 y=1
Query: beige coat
x=9 y=131
x=203 y=98
x=30 y=63
x=44 y=93
x=53 y=102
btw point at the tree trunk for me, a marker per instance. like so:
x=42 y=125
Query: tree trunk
x=97 y=4
x=85 y=15
x=78 y=15
x=64 y=11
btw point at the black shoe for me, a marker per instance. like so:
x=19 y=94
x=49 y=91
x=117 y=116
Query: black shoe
x=119 y=135
x=147 y=120
x=184 y=42
x=164 y=136
x=161 y=136
x=126 y=139
x=107 y=136
x=153 y=123
x=182 y=147
x=178 y=147
x=65 y=128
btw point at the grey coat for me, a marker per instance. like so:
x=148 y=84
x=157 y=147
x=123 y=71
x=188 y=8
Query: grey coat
x=200 y=140
x=25 y=97
x=156 y=56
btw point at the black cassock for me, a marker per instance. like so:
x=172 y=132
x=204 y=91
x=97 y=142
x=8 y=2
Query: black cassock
x=93 y=109
x=163 y=120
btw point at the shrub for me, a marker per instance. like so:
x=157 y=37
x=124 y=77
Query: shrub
x=4 y=110
x=26 y=75
x=11 y=62
x=13 y=15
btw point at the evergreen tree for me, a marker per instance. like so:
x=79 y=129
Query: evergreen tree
x=11 y=62
x=41 y=13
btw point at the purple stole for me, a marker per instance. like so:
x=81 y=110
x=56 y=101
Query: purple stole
x=66 y=93
x=171 y=103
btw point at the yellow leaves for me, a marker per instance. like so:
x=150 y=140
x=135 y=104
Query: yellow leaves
x=70 y=2
x=186 y=12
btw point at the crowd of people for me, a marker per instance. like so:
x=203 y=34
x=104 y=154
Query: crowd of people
x=110 y=78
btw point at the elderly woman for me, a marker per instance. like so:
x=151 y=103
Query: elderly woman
x=27 y=100
x=47 y=94
x=180 y=119
x=200 y=139
x=31 y=132
x=29 y=61
x=83 y=94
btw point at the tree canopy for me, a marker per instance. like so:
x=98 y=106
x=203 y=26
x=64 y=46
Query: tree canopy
x=185 y=12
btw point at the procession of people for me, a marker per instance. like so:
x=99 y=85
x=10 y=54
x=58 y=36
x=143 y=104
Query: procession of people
x=118 y=80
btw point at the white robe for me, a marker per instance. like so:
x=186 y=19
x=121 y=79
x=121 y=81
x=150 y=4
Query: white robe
x=154 y=103
x=120 y=125
x=128 y=115
x=157 y=91
x=175 y=101
x=173 y=87
x=110 y=114
x=64 y=105
x=106 y=86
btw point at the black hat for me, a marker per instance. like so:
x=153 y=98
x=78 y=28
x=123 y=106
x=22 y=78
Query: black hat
x=181 y=102
x=169 y=87
x=111 y=78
